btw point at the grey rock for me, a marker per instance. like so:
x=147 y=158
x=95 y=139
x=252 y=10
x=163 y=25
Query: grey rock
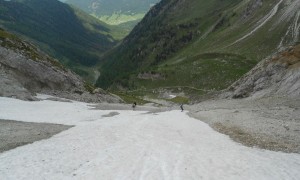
x=275 y=76
x=99 y=91
x=22 y=78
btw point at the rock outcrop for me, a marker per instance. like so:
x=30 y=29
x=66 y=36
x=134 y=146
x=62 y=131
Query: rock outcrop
x=278 y=75
x=25 y=71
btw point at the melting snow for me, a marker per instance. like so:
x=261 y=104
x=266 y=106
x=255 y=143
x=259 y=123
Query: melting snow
x=133 y=145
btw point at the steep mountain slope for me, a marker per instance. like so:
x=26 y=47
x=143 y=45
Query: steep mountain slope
x=203 y=44
x=278 y=75
x=123 y=15
x=70 y=35
x=25 y=70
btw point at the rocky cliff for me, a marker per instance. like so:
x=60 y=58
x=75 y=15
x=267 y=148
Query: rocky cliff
x=278 y=75
x=25 y=71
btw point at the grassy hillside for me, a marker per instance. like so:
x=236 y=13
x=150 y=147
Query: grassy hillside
x=108 y=7
x=11 y=41
x=203 y=44
x=122 y=15
x=119 y=18
x=70 y=35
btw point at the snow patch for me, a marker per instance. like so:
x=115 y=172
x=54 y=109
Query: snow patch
x=133 y=145
x=172 y=96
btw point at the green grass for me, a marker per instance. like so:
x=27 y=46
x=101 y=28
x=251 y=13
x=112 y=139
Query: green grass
x=208 y=72
x=195 y=76
x=119 y=18
x=190 y=94
x=139 y=96
x=130 y=99
x=89 y=87
x=4 y=35
x=179 y=100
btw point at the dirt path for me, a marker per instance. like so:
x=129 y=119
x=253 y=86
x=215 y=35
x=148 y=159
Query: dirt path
x=264 y=20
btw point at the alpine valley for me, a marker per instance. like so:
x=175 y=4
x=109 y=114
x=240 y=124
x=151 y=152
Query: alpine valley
x=76 y=39
x=198 y=89
x=196 y=47
x=117 y=12
x=199 y=45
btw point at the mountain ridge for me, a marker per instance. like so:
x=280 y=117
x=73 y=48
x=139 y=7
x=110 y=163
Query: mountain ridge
x=170 y=38
x=75 y=38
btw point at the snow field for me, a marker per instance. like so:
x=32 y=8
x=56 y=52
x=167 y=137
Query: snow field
x=133 y=145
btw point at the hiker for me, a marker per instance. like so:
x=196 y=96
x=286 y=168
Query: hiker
x=181 y=107
x=134 y=105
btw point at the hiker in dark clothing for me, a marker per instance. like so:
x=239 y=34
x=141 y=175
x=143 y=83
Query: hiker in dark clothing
x=134 y=105
x=181 y=107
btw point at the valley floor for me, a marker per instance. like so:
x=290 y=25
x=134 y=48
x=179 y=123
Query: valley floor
x=127 y=144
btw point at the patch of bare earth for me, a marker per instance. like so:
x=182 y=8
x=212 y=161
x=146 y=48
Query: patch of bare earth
x=255 y=140
x=14 y=133
x=268 y=123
